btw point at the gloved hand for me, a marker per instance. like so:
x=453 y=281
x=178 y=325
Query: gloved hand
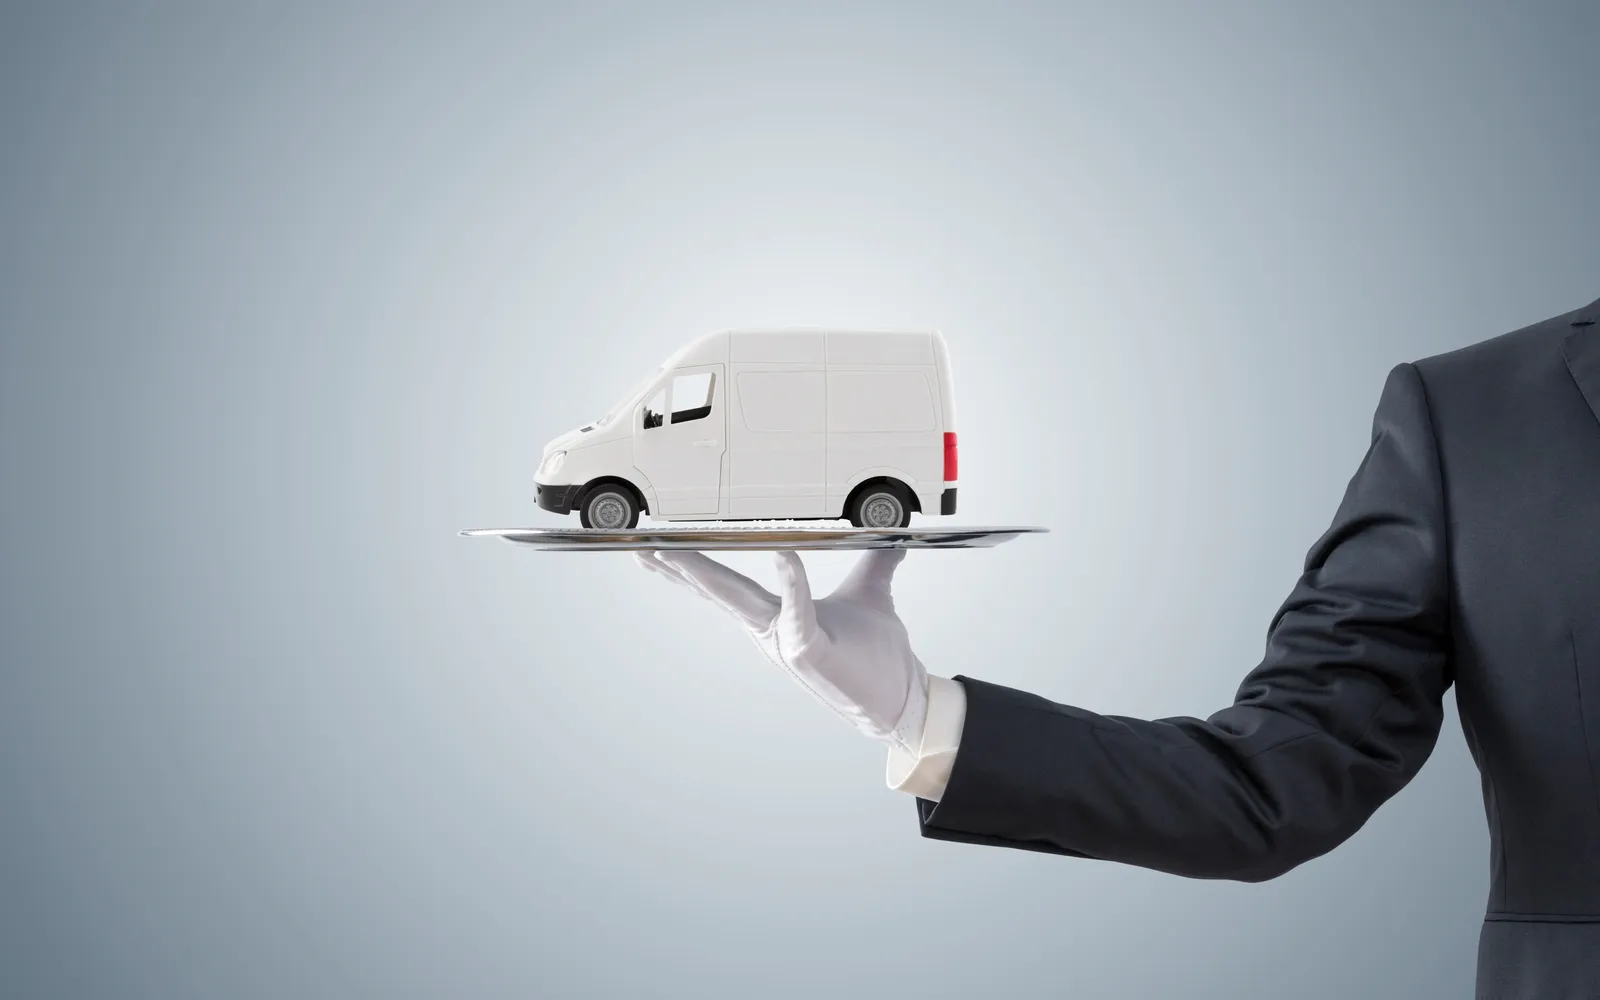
x=849 y=649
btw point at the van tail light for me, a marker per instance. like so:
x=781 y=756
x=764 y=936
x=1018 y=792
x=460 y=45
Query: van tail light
x=949 y=456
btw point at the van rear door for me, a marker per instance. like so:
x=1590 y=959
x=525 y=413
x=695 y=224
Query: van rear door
x=884 y=421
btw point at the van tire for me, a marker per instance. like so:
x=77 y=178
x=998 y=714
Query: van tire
x=609 y=507
x=880 y=505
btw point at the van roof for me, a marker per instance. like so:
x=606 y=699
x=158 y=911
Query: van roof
x=811 y=345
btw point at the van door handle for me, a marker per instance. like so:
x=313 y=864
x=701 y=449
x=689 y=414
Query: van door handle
x=706 y=443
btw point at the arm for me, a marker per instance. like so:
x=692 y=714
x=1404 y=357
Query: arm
x=1340 y=714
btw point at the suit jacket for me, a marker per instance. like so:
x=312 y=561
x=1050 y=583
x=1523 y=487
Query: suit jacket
x=1466 y=551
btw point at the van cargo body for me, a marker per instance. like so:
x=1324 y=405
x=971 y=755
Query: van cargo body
x=770 y=425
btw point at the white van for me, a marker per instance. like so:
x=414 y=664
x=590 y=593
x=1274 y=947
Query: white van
x=769 y=425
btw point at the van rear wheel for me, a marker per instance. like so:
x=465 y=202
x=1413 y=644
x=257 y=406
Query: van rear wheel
x=610 y=508
x=881 y=506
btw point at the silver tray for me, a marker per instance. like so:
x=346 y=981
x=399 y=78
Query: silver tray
x=765 y=538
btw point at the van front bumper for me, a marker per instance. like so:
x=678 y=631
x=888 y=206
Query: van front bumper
x=556 y=498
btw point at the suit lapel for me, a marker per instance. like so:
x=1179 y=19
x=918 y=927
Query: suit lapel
x=1581 y=348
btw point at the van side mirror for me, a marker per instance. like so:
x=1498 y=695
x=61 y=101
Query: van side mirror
x=655 y=410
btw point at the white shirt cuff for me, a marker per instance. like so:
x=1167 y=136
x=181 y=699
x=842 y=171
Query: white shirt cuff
x=926 y=774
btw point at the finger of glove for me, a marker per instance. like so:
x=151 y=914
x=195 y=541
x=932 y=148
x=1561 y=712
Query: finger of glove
x=693 y=586
x=649 y=561
x=871 y=578
x=727 y=587
x=797 y=618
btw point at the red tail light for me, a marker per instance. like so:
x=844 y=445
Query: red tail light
x=949 y=456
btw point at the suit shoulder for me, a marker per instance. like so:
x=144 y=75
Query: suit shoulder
x=1523 y=358
x=1487 y=398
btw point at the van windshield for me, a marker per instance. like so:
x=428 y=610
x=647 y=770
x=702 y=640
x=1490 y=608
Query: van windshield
x=627 y=401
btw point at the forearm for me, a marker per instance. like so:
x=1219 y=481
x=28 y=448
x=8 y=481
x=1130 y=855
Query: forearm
x=1247 y=795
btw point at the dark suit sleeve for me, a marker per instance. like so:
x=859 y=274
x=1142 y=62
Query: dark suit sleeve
x=1342 y=711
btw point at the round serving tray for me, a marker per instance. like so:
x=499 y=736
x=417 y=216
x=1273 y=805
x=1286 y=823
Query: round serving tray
x=763 y=538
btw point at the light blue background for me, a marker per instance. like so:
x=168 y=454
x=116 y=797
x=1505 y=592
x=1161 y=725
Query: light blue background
x=289 y=294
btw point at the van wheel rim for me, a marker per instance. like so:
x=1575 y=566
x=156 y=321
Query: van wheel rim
x=608 y=512
x=882 y=511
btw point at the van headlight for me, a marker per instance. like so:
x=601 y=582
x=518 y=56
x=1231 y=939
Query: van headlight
x=552 y=464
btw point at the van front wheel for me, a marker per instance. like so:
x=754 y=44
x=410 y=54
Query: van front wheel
x=882 y=506
x=610 y=508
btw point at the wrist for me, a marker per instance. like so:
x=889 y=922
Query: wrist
x=908 y=729
x=925 y=769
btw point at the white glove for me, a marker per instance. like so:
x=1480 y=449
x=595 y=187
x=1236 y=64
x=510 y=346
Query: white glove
x=849 y=649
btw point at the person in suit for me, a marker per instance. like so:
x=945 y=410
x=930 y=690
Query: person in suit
x=1465 y=551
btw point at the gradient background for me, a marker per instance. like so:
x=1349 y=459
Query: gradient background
x=290 y=294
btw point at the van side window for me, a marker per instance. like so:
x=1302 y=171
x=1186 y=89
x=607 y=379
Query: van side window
x=691 y=396
x=654 y=410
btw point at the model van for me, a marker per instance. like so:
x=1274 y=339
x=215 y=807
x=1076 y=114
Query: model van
x=769 y=425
